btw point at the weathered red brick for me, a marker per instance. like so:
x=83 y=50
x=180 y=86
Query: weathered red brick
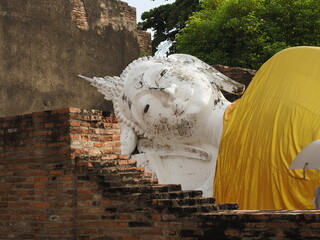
x=313 y=225
x=120 y=224
x=154 y=231
x=132 y=238
x=310 y=233
x=88 y=231
x=154 y=238
x=66 y=178
x=39 y=185
x=6 y=186
x=106 y=138
x=42 y=133
x=106 y=150
x=109 y=144
x=57 y=231
x=98 y=145
x=232 y=232
x=16 y=167
x=282 y=224
x=39 y=204
x=74 y=137
x=49 y=125
x=56 y=172
x=94 y=138
x=75 y=124
x=74 y=110
x=125 y=217
x=111 y=156
x=38 y=179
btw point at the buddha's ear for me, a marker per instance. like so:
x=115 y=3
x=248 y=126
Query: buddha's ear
x=128 y=139
x=108 y=86
x=214 y=76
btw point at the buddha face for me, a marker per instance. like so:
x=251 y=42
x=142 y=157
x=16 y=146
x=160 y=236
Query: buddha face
x=166 y=98
x=167 y=101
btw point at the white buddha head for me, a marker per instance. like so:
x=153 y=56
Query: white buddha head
x=166 y=98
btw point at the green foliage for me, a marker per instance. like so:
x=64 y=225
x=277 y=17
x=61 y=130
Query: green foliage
x=246 y=33
x=211 y=4
x=167 y=20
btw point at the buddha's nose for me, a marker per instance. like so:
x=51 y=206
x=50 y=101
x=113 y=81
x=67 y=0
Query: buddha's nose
x=170 y=94
x=171 y=91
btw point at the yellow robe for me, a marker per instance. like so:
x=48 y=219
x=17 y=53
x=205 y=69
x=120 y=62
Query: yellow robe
x=278 y=115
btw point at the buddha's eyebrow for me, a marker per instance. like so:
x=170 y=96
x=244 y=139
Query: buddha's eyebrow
x=163 y=72
x=156 y=88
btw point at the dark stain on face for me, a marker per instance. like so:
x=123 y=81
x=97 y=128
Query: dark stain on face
x=183 y=128
x=127 y=100
x=216 y=101
x=129 y=104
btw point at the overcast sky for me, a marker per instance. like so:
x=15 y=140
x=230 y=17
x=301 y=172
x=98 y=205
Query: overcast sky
x=145 y=5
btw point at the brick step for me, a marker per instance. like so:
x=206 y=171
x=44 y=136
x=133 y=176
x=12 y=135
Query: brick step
x=163 y=203
x=139 y=180
x=162 y=195
x=112 y=176
x=180 y=194
x=130 y=177
x=184 y=211
x=228 y=206
x=112 y=181
x=131 y=181
x=119 y=163
x=130 y=172
x=175 y=194
x=119 y=170
x=144 y=189
x=133 y=174
x=127 y=178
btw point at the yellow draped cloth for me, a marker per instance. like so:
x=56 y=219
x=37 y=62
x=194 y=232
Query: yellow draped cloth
x=276 y=118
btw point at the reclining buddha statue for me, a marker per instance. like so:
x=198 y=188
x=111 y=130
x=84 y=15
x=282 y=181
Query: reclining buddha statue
x=175 y=122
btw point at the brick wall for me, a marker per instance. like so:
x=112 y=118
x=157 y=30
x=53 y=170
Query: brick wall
x=37 y=178
x=267 y=224
x=62 y=177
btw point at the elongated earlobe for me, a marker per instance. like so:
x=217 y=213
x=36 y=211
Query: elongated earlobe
x=128 y=139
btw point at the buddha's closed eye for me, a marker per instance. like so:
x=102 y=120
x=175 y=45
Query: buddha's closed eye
x=146 y=108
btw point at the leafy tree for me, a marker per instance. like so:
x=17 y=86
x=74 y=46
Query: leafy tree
x=167 y=20
x=246 y=33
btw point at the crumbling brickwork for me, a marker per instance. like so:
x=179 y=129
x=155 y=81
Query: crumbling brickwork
x=62 y=177
x=144 y=39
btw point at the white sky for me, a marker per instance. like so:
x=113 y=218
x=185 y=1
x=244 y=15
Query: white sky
x=146 y=5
